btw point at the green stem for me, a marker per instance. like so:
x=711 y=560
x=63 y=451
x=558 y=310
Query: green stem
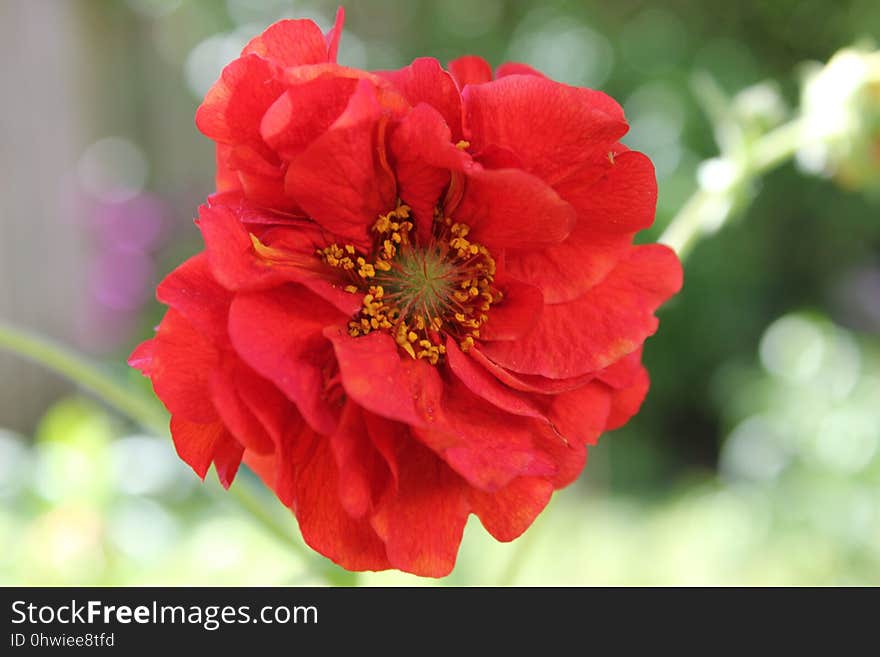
x=251 y=499
x=246 y=491
x=78 y=369
x=518 y=559
x=707 y=210
x=688 y=225
x=776 y=147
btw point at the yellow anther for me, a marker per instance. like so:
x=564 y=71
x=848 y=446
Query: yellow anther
x=462 y=145
x=383 y=224
x=419 y=317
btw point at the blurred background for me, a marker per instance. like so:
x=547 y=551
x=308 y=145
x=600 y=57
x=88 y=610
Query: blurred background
x=756 y=457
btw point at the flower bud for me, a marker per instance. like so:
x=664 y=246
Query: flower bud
x=841 y=119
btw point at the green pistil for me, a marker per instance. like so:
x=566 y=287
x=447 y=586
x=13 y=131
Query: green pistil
x=421 y=280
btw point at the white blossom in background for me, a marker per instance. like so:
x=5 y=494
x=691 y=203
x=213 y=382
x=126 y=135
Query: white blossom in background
x=840 y=105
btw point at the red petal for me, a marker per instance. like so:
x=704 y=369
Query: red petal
x=515 y=314
x=266 y=191
x=231 y=114
x=529 y=382
x=551 y=126
x=626 y=403
x=257 y=166
x=341 y=179
x=363 y=473
x=608 y=322
x=226 y=178
x=385 y=435
x=389 y=98
x=332 y=37
x=425 y=81
x=569 y=457
x=422 y=524
x=487 y=447
x=284 y=423
x=305 y=112
x=517 y=68
x=192 y=291
x=622 y=200
x=242 y=261
x=479 y=381
x=325 y=525
x=423 y=157
x=235 y=262
x=263 y=465
x=580 y=415
x=291 y=251
x=508 y=208
x=624 y=372
x=279 y=334
x=566 y=271
x=250 y=213
x=495 y=157
x=235 y=414
x=227 y=459
x=230 y=250
x=234 y=106
x=200 y=444
x=470 y=69
x=142 y=357
x=181 y=362
x=507 y=513
x=294 y=42
x=374 y=374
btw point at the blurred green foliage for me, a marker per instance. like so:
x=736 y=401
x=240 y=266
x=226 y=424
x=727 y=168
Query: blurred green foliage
x=756 y=457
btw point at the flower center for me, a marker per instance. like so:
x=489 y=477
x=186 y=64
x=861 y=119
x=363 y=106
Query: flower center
x=418 y=293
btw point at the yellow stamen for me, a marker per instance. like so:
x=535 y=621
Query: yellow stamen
x=419 y=293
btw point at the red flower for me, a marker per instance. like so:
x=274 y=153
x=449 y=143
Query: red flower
x=419 y=297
